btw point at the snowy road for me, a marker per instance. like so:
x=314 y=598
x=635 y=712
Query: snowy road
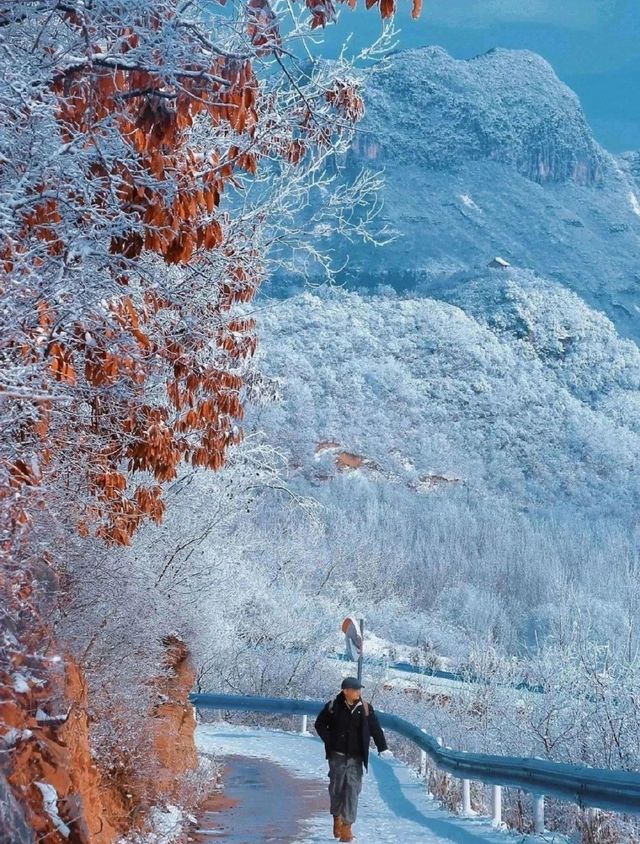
x=394 y=807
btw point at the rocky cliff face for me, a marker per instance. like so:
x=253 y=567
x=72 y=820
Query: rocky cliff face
x=486 y=157
x=59 y=789
x=502 y=106
x=51 y=770
x=174 y=723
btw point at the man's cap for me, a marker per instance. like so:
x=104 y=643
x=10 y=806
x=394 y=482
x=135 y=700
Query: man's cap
x=351 y=683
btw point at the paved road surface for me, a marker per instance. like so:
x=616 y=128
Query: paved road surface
x=395 y=808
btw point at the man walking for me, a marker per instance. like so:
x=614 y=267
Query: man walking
x=346 y=725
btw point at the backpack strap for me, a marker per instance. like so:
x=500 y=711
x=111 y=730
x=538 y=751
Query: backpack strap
x=366 y=708
x=330 y=706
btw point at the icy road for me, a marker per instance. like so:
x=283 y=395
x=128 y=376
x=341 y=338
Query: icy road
x=394 y=806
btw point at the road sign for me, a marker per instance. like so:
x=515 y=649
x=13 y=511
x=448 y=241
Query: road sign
x=354 y=640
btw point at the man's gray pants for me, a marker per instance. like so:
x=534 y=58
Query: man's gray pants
x=345 y=785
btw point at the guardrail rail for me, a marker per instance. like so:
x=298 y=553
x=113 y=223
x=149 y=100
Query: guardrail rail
x=600 y=788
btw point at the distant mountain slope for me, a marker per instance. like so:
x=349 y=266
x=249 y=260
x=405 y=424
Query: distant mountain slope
x=493 y=156
x=426 y=107
x=526 y=393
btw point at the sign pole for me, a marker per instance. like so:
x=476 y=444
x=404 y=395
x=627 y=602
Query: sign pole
x=361 y=651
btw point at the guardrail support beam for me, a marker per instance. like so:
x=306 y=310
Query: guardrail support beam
x=496 y=805
x=538 y=813
x=423 y=763
x=303 y=726
x=466 y=797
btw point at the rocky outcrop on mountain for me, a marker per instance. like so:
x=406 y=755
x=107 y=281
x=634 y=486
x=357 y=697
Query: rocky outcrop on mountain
x=491 y=157
x=505 y=105
x=630 y=162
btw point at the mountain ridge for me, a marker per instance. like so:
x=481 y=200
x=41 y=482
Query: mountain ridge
x=484 y=157
x=539 y=127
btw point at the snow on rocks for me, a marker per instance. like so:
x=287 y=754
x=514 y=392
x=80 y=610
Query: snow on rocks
x=166 y=824
x=50 y=800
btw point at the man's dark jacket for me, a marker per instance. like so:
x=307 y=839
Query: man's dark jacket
x=342 y=729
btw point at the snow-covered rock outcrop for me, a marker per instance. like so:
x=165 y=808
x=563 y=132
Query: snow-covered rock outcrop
x=493 y=156
x=507 y=106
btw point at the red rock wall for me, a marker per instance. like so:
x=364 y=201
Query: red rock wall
x=95 y=809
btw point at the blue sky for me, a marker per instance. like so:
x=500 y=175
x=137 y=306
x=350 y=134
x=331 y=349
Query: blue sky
x=593 y=45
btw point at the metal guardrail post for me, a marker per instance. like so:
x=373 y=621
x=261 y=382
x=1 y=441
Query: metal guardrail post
x=423 y=763
x=303 y=728
x=496 y=805
x=538 y=813
x=466 y=797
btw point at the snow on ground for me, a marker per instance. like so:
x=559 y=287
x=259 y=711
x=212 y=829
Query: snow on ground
x=394 y=806
x=166 y=826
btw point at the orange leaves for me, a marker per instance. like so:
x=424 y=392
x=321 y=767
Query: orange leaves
x=262 y=26
x=210 y=197
x=387 y=8
x=237 y=346
x=150 y=503
x=44 y=221
x=154 y=115
x=109 y=485
x=238 y=106
x=323 y=11
x=61 y=365
x=125 y=312
x=210 y=236
x=347 y=101
x=181 y=247
x=101 y=369
x=248 y=161
x=154 y=448
x=241 y=325
x=129 y=246
x=296 y=151
x=121 y=516
x=22 y=473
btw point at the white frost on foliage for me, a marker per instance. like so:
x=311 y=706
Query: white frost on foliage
x=20 y=684
x=13 y=736
x=166 y=824
x=516 y=386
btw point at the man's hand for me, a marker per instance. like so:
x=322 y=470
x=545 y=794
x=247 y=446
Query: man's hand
x=386 y=754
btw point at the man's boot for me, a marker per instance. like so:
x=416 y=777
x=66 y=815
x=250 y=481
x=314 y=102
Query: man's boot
x=345 y=832
x=337 y=826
